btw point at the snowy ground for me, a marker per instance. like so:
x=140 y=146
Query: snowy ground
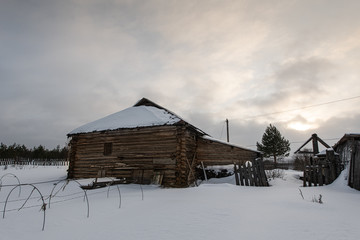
x=214 y=210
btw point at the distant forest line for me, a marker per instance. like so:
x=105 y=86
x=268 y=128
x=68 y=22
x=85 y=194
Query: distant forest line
x=19 y=152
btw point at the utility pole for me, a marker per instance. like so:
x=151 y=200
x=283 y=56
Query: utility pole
x=227 y=129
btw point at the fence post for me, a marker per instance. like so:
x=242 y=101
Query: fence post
x=242 y=175
x=246 y=176
x=236 y=175
x=256 y=173
x=321 y=183
x=250 y=174
x=330 y=157
x=316 y=175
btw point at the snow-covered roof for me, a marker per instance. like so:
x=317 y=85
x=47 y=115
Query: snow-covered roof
x=132 y=117
x=346 y=137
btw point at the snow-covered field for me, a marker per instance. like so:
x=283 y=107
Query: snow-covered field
x=214 y=210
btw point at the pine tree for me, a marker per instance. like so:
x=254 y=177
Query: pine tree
x=273 y=144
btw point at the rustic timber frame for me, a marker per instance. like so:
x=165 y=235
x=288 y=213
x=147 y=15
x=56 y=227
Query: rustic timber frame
x=315 y=145
x=164 y=154
x=348 y=147
x=325 y=169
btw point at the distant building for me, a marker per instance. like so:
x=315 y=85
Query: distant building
x=149 y=144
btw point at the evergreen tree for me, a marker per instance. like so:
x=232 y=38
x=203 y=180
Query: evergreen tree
x=273 y=144
x=18 y=152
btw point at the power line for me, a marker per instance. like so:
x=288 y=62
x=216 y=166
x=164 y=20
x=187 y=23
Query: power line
x=305 y=107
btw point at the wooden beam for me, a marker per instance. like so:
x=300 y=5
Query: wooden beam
x=303 y=145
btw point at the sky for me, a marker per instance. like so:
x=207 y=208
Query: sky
x=293 y=64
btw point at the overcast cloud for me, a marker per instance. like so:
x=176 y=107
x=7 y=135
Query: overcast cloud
x=66 y=63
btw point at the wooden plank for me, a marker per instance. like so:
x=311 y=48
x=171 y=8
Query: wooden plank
x=321 y=183
x=257 y=173
x=250 y=175
x=246 y=176
x=236 y=175
x=305 y=177
x=326 y=170
x=242 y=175
x=356 y=166
x=316 y=175
x=262 y=173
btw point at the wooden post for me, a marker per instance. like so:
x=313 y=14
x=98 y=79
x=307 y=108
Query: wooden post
x=326 y=173
x=236 y=175
x=321 y=183
x=317 y=175
x=202 y=164
x=242 y=175
x=315 y=144
x=246 y=176
x=330 y=157
x=251 y=176
x=256 y=173
x=356 y=167
x=227 y=130
x=310 y=176
x=262 y=173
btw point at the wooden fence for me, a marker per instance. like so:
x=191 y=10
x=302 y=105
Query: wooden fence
x=250 y=174
x=34 y=162
x=323 y=173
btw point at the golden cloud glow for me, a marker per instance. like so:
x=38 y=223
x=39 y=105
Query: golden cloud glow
x=299 y=126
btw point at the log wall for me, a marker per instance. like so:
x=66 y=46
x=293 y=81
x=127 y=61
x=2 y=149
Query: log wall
x=216 y=153
x=142 y=153
x=136 y=153
x=186 y=150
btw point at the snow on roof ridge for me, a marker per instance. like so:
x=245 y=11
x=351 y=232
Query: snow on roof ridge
x=147 y=102
x=132 y=117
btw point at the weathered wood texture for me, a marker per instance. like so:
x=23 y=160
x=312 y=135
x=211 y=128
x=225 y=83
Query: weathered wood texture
x=354 y=173
x=186 y=150
x=136 y=153
x=324 y=172
x=250 y=174
x=348 y=147
x=169 y=153
x=216 y=153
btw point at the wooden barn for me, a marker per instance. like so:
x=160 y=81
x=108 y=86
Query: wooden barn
x=149 y=144
x=348 y=147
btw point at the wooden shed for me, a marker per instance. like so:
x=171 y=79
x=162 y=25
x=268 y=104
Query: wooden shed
x=149 y=144
x=348 y=147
